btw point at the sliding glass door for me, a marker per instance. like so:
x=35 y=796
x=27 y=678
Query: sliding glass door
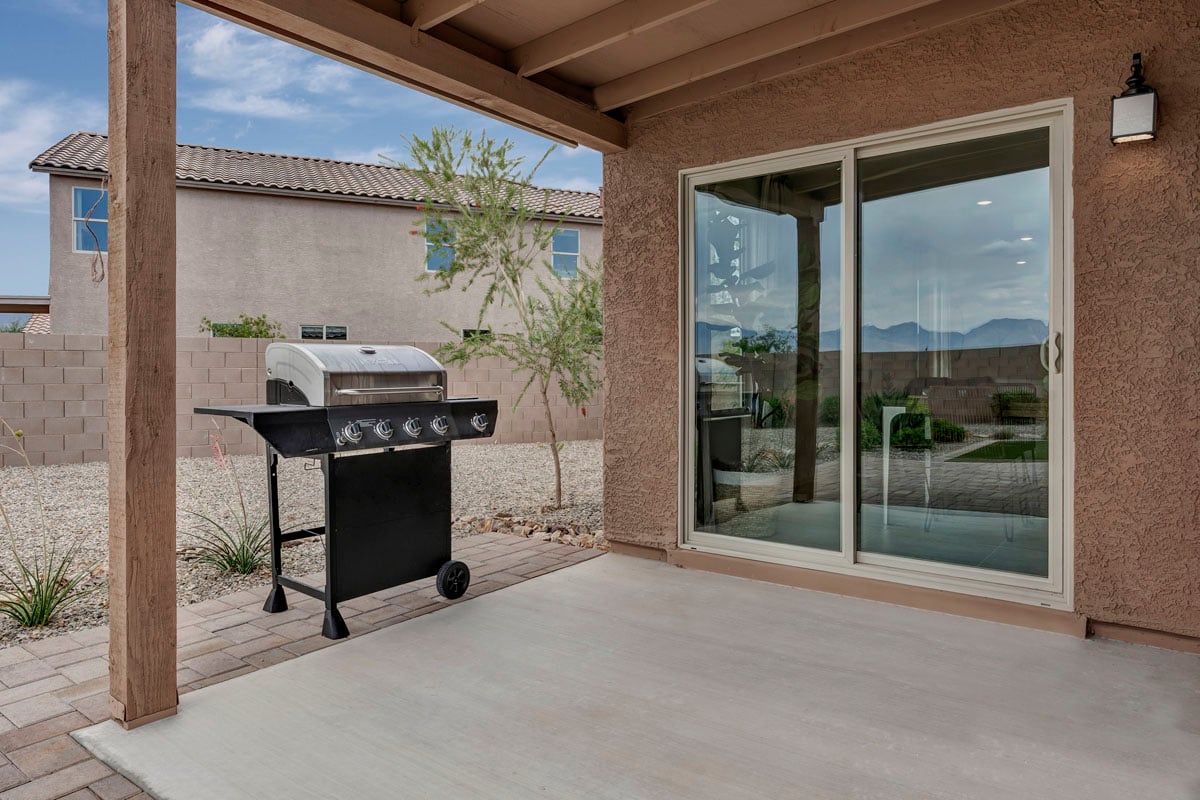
x=953 y=380
x=767 y=276
x=874 y=357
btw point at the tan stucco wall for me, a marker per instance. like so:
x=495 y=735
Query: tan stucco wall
x=1137 y=251
x=299 y=261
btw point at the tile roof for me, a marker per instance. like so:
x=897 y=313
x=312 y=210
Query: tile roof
x=37 y=323
x=88 y=152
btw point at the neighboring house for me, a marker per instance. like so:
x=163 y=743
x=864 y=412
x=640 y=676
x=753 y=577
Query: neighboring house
x=37 y=323
x=329 y=249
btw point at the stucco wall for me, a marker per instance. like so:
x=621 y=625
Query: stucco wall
x=299 y=261
x=1137 y=250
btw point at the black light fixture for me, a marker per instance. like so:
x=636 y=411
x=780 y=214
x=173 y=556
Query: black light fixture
x=1135 y=110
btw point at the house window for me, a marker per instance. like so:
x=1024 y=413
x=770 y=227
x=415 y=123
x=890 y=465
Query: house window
x=439 y=247
x=89 y=220
x=566 y=253
x=326 y=332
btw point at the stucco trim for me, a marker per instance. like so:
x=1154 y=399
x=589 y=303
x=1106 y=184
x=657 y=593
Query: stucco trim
x=1144 y=636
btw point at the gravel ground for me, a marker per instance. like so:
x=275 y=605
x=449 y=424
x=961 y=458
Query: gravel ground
x=516 y=479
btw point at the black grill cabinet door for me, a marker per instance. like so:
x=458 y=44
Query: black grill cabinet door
x=389 y=519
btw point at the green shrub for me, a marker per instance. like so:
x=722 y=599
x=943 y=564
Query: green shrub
x=830 y=411
x=873 y=405
x=869 y=437
x=47 y=581
x=946 y=431
x=911 y=437
x=239 y=548
x=245 y=328
x=238 y=540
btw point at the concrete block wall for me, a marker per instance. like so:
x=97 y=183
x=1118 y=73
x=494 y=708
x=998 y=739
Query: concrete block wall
x=54 y=389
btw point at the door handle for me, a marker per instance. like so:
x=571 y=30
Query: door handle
x=1058 y=354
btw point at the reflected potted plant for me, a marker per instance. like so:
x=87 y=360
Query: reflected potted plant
x=763 y=480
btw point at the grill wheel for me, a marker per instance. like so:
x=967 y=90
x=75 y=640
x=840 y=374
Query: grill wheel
x=453 y=579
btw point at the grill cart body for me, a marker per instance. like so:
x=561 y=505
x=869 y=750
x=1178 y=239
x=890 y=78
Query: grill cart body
x=378 y=422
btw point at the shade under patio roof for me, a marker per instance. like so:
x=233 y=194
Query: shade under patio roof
x=579 y=70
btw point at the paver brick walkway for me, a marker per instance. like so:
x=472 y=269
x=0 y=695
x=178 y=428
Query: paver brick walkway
x=51 y=687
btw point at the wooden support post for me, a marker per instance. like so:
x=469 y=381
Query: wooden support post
x=808 y=354
x=141 y=360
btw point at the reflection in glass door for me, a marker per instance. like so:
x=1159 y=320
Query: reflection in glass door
x=767 y=280
x=875 y=359
x=954 y=353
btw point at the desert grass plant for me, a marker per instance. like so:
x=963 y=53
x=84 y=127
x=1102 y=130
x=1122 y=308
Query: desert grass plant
x=42 y=584
x=236 y=540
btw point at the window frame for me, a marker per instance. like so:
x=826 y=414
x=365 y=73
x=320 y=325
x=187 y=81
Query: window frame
x=554 y=251
x=1057 y=590
x=75 y=220
x=324 y=333
x=431 y=246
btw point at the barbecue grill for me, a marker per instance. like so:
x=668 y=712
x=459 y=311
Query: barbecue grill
x=378 y=420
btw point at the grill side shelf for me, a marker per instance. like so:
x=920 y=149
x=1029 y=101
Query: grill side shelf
x=292 y=430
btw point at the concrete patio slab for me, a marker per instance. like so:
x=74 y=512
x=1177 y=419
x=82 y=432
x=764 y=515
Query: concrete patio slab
x=623 y=678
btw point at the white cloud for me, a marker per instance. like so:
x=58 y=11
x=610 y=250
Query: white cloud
x=90 y=12
x=231 y=101
x=32 y=119
x=372 y=155
x=577 y=183
x=243 y=73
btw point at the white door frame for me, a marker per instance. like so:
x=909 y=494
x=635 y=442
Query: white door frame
x=1054 y=591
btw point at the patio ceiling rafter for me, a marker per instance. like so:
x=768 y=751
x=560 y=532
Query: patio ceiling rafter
x=601 y=29
x=824 y=21
x=425 y=14
x=876 y=34
x=580 y=70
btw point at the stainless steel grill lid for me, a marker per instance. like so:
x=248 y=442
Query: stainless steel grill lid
x=349 y=374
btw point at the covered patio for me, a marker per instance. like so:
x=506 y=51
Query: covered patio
x=623 y=677
x=627 y=677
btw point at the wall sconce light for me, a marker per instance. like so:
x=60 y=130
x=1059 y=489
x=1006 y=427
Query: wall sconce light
x=1135 y=110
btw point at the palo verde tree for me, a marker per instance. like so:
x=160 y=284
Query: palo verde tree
x=481 y=204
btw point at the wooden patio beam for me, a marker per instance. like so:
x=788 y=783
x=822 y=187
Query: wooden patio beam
x=813 y=25
x=601 y=29
x=16 y=305
x=141 y=360
x=354 y=34
x=877 y=34
x=424 y=14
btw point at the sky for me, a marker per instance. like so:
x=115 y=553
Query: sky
x=236 y=89
x=952 y=257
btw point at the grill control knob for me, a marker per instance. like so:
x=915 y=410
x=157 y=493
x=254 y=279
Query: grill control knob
x=412 y=426
x=440 y=426
x=384 y=429
x=479 y=422
x=352 y=432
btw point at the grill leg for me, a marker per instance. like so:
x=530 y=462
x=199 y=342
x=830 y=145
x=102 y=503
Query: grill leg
x=334 y=627
x=276 y=600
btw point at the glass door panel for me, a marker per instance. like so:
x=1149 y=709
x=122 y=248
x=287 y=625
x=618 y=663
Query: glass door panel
x=954 y=354
x=767 y=316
